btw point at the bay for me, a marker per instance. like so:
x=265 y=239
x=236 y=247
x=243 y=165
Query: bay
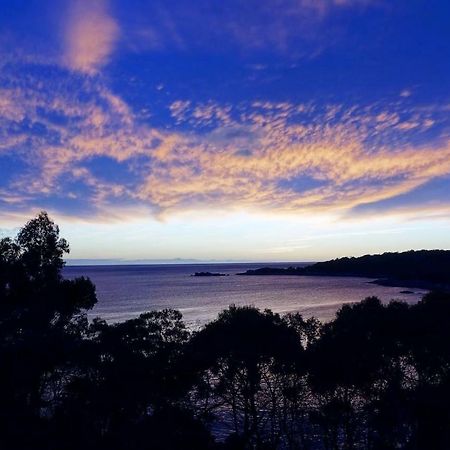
x=125 y=291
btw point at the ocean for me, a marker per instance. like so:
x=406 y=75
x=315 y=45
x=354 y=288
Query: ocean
x=125 y=291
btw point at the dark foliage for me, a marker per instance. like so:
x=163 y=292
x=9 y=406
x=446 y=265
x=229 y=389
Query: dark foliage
x=377 y=377
x=415 y=268
x=425 y=265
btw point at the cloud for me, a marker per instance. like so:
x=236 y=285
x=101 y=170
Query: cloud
x=276 y=25
x=90 y=36
x=259 y=156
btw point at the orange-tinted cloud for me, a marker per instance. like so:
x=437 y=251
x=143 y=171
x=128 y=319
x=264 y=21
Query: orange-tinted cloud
x=259 y=156
x=90 y=35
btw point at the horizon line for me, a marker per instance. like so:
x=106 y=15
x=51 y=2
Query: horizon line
x=195 y=261
x=175 y=261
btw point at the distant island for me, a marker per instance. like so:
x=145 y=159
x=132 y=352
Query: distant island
x=427 y=269
x=209 y=274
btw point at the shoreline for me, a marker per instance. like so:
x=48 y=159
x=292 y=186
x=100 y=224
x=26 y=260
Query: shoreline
x=380 y=281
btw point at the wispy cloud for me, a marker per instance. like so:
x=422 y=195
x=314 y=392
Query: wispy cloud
x=274 y=25
x=269 y=156
x=90 y=35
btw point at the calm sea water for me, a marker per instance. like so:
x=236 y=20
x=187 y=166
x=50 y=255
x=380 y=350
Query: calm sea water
x=126 y=291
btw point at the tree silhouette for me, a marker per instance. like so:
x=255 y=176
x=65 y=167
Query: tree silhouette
x=42 y=318
x=376 y=377
x=244 y=359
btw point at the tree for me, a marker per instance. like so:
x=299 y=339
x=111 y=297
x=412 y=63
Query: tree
x=42 y=320
x=32 y=287
x=244 y=359
x=428 y=341
x=358 y=370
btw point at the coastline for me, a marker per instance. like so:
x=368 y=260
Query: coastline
x=417 y=284
x=421 y=269
x=380 y=281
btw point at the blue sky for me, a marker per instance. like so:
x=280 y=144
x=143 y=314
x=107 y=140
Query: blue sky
x=257 y=130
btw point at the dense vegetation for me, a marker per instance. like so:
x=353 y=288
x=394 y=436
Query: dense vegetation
x=419 y=268
x=376 y=377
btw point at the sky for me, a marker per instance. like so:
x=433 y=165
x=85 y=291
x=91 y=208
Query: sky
x=268 y=130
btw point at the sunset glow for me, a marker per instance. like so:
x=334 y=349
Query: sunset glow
x=260 y=130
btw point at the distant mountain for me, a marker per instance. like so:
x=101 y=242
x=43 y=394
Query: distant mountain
x=120 y=262
x=421 y=268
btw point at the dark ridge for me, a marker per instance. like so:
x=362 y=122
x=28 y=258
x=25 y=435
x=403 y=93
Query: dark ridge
x=421 y=268
x=209 y=274
x=274 y=271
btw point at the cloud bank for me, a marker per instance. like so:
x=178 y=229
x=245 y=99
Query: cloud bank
x=79 y=148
